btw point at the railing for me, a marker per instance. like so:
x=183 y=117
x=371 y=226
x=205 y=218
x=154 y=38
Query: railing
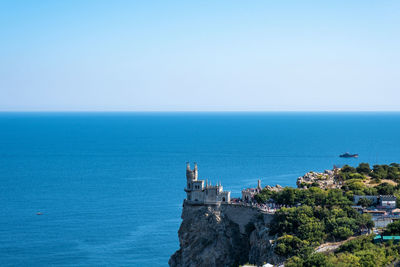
x=270 y=209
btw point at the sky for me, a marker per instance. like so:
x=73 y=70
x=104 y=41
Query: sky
x=199 y=55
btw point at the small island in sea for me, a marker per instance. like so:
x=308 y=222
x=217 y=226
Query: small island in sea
x=346 y=216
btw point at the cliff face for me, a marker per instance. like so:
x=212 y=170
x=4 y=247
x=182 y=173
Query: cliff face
x=225 y=235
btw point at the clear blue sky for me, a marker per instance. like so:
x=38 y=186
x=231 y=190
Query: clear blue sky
x=199 y=55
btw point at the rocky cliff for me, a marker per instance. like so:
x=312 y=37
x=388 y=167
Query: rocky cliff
x=323 y=180
x=226 y=235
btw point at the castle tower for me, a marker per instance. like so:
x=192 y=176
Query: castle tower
x=191 y=175
x=196 y=173
x=194 y=187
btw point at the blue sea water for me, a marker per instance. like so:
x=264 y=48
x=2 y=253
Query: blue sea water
x=110 y=185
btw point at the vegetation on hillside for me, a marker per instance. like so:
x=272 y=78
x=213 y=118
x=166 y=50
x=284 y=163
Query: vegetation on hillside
x=354 y=181
x=315 y=216
x=357 y=252
x=312 y=216
x=380 y=180
x=377 y=173
x=393 y=228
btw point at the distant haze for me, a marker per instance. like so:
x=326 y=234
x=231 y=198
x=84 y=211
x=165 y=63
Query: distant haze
x=199 y=55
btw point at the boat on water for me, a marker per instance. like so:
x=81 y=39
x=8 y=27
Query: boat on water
x=348 y=155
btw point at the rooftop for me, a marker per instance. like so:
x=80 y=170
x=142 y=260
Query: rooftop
x=387 y=198
x=387 y=237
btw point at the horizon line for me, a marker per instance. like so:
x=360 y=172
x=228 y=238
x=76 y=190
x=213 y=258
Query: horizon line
x=190 y=111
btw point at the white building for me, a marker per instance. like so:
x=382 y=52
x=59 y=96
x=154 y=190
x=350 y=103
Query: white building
x=200 y=192
x=383 y=201
x=387 y=201
x=249 y=193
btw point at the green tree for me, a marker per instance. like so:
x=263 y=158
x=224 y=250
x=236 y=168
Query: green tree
x=365 y=202
x=371 y=191
x=316 y=260
x=294 y=262
x=344 y=260
x=264 y=196
x=355 y=185
x=385 y=189
x=314 y=196
x=335 y=197
x=348 y=169
x=365 y=221
x=363 y=252
x=345 y=171
x=379 y=171
x=287 y=196
x=312 y=231
x=342 y=232
x=363 y=168
x=360 y=243
x=289 y=245
x=393 y=228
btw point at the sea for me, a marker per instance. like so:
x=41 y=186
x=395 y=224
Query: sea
x=106 y=189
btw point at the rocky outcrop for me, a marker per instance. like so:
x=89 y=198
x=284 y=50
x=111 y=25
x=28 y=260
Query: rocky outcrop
x=323 y=180
x=275 y=188
x=225 y=235
x=262 y=246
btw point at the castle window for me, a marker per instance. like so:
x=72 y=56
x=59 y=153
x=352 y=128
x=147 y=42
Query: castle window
x=189 y=186
x=223 y=199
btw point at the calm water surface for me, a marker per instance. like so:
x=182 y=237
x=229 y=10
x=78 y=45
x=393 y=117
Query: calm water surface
x=110 y=185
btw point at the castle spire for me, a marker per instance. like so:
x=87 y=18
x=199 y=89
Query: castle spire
x=190 y=175
x=196 y=174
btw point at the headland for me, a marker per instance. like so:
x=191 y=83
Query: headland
x=311 y=225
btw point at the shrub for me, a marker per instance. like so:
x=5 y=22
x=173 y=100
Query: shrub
x=393 y=228
x=365 y=202
x=363 y=168
x=385 y=189
x=348 y=169
x=342 y=232
x=316 y=259
x=289 y=245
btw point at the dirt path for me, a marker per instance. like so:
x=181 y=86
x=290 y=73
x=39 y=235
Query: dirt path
x=331 y=246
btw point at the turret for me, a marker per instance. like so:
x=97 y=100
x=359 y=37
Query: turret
x=196 y=173
x=190 y=175
x=187 y=166
x=259 y=185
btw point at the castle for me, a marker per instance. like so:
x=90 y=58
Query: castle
x=200 y=193
x=249 y=193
